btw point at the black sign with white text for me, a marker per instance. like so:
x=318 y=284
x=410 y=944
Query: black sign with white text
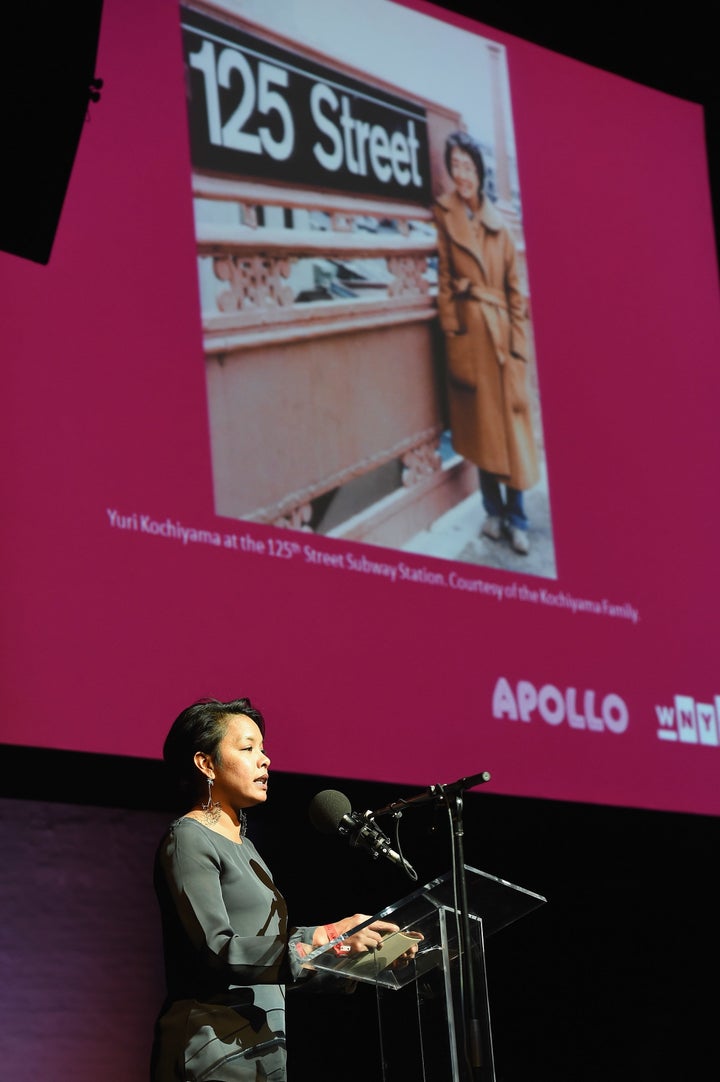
x=259 y=111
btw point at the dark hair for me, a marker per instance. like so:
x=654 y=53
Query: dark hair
x=201 y=727
x=471 y=147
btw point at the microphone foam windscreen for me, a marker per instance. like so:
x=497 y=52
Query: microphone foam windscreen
x=327 y=809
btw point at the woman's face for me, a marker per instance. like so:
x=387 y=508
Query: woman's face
x=241 y=775
x=464 y=174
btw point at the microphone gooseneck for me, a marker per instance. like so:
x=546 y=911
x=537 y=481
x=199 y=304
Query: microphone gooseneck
x=438 y=794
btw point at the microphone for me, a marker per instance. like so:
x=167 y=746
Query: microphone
x=331 y=813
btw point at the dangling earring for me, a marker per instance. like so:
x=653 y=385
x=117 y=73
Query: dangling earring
x=211 y=809
x=243 y=823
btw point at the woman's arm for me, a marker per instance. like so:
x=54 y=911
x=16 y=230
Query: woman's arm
x=446 y=294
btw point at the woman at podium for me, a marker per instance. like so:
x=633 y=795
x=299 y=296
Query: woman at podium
x=229 y=947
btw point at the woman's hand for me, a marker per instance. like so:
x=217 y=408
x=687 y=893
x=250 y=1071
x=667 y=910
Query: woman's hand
x=369 y=938
x=516 y=384
x=366 y=939
x=409 y=954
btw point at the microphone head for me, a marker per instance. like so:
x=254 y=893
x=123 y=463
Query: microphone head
x=327 y=809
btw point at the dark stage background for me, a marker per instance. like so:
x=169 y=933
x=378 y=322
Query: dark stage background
x=612 y=978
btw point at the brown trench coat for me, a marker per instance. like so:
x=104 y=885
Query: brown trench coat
x=482 y=313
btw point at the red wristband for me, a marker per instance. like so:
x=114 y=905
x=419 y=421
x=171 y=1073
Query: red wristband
x=333 y=933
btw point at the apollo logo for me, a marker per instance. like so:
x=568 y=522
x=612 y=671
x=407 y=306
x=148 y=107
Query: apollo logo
x=690 y=722
x=580 y=709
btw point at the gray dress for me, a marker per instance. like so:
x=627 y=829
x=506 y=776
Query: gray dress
x=228 y=956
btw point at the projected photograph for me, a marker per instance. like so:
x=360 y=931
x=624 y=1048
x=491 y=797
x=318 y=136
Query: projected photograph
x=248 y=401
x=370 y=361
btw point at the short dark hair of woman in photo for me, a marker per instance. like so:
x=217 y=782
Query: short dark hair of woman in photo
x=482 y=312
x=228 y=944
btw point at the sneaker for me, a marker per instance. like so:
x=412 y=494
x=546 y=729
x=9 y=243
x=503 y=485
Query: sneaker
x=492 y=527
x=519 y=540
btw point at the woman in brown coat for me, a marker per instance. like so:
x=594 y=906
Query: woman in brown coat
x=482 y=313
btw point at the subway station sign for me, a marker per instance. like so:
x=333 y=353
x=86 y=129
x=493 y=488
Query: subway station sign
x=263 y=112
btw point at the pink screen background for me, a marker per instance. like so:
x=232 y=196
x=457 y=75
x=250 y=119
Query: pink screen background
x=108 y=633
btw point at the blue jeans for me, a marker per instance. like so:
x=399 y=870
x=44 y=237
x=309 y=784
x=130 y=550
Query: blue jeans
x=510 y=508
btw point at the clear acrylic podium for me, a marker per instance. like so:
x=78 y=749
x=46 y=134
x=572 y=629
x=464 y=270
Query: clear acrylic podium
x=427 y=1040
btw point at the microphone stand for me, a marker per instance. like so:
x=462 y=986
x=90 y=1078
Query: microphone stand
x=471 y=1022
x=480 y=1059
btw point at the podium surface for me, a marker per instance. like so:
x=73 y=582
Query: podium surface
x=430 y=919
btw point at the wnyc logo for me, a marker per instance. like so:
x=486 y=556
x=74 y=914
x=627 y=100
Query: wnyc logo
x=579 y=709
x=690 y=722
